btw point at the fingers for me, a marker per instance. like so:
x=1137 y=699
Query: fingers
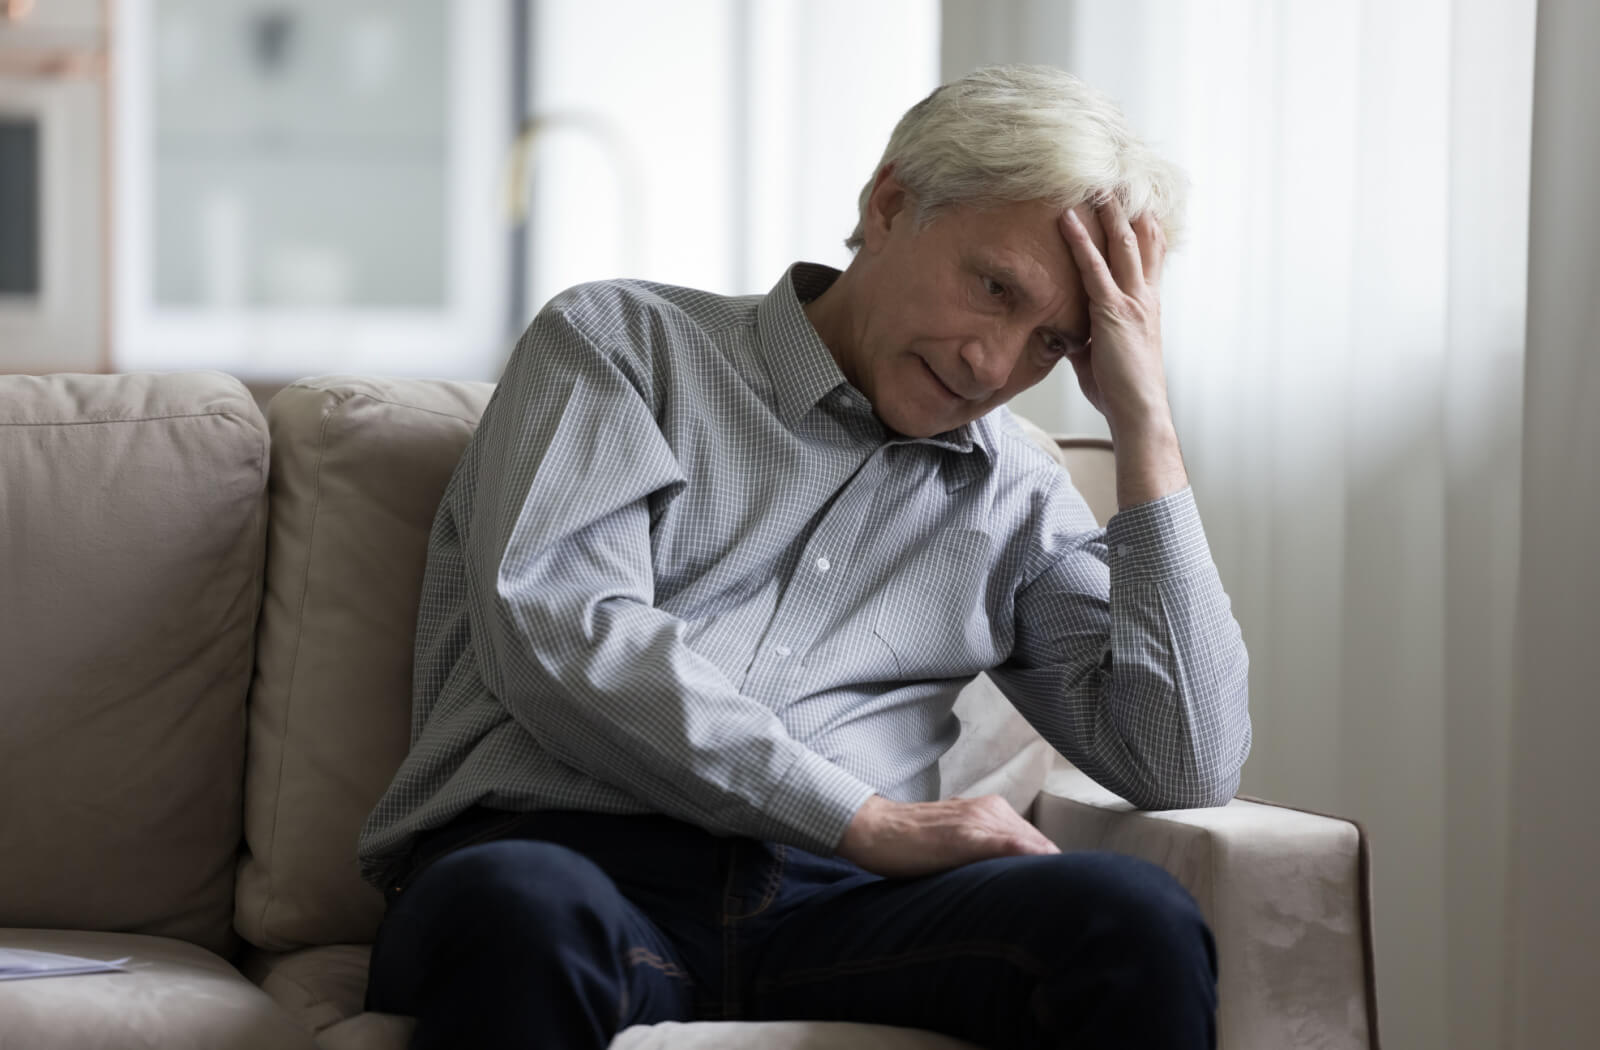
x=1132 y=253
x=1136 y=248
x=1152 y=246
x=1032 y=843
x=1092 y=268
x=907 y=839
x=1122 y=246
x=1017 y=835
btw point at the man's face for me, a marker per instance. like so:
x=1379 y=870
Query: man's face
x=962 y=315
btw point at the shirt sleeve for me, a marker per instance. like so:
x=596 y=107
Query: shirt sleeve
x=1128 y=659
x=561 y=600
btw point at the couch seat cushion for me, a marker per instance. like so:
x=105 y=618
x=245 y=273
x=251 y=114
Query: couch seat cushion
x=318 y=987
x=175 y=996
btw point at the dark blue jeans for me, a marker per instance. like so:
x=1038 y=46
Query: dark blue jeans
x=558 y=929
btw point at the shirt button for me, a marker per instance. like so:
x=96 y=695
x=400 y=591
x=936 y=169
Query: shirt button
x=781 y=650
x=823 y=565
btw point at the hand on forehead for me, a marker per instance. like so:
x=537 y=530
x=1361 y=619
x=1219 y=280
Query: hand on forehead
x=1086 y=215
x=1133 y=249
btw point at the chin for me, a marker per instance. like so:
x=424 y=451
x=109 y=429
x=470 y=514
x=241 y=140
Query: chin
x=914 y=407
x=909 y=421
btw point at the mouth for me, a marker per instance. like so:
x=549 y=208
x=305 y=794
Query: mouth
x=940 y=383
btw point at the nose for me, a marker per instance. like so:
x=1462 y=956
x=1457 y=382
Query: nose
x=991 y=358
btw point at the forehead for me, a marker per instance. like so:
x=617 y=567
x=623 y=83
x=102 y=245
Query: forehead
x=1023 y=228
x=1022 y=238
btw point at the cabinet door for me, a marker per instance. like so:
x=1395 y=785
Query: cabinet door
x=312 y=186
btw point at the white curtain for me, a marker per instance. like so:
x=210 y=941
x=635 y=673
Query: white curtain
x=1344 y=333
x=711 y=143
x=1555 y=908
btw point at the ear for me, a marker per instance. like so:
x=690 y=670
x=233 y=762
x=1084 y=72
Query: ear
x=888 y=202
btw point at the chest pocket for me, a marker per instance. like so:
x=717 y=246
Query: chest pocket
x=933 y=611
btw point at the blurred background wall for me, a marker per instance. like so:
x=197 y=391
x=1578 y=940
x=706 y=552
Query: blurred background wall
x=284 y=187
x=278 y=188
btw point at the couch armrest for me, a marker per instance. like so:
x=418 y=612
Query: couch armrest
x=1286 y=893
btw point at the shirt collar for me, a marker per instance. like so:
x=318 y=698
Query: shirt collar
x=803 y=371
x=799 y=364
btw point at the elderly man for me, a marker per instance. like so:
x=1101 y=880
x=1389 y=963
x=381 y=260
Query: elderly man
x=702 y=589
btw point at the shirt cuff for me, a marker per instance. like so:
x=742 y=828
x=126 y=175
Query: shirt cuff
x=1158 y=540
x=815 y=803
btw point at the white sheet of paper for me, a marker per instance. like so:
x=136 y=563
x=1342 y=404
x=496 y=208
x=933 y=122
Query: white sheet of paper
x=19 y=963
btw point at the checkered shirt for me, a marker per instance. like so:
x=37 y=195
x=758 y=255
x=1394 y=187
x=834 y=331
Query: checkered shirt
x=682 y=568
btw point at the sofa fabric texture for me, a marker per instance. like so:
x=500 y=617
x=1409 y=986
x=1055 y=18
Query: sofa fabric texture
x=319 y=987
x=1279 y=888
x=173 y=996
x=358 y=469
x=133 y=510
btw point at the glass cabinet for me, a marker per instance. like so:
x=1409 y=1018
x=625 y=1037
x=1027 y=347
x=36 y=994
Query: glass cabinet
x=311 y=186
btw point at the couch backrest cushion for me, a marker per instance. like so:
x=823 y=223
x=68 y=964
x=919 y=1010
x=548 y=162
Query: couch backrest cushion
x=358 y=468
x=132 y=531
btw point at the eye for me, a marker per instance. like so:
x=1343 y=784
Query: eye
x=1056 y=345
x=994 y=288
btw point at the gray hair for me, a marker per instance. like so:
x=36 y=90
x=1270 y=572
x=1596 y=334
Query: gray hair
x=1004 y=134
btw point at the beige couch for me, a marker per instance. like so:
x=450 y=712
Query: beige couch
x=205 y=649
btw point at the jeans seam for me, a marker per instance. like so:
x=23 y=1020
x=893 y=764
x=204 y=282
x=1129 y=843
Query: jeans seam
x=1008 y=953
x=730 y=922
x=774 y=882
x=639 y=956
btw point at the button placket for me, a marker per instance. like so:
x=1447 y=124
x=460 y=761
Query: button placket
x=815 y=582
